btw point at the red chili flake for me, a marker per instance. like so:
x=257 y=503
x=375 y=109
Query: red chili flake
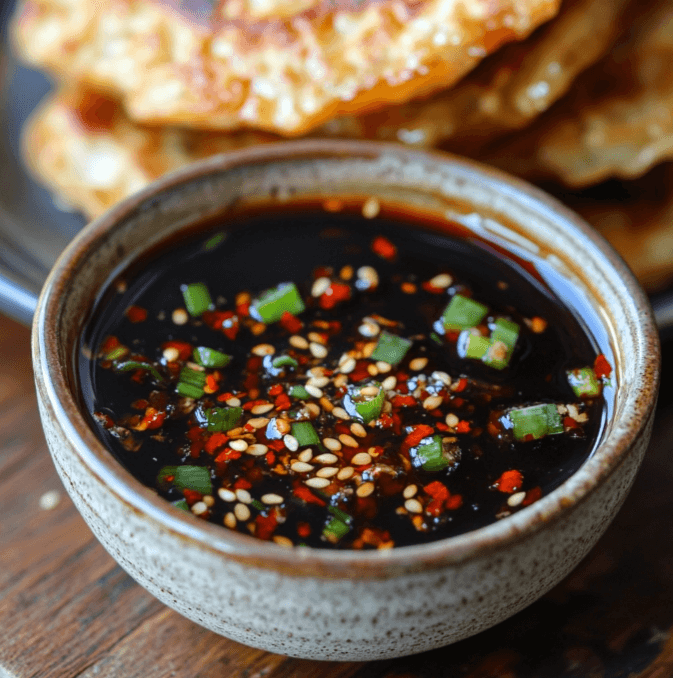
x=457 y=402
x=532 y=496
x=463 y=426
x=569 y=422
x=290 y=323
x=242 y=484
x=270 y=458
x=302 y=492
x=223 y=457
x=404 y=401
x=428 y=287
x=509 y=482
x=223 y=397
x=192 y=496
x=385 y=421
x=366 y=506
x=153 y=418
x=243 y=309
x=105 y=420
x=275 y=390
x=253 y=403
x=266 y=525
x=397 y=423
x=195 y=433
x=451 y=335
x=335 y=293
x=455 y=501
x=384 y=248
x=419 y=432
x=602 y=367
x=441 y=426
x=460 y=386
x=227 y=321
x=276 y=445
x=360 y=372
x=109 y=344
x=183 y=348
x=216 y=440
x=437 y=490
x=211 y=384
x=136 y=314
x=195 y=448
x=303 y=530
x=283 y=402
x=402 y=376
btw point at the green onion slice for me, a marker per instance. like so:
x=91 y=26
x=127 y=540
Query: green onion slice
x=391 y=348
x=285 y=361
x=463 y=313
x=431 y=455
x=223 y=418
x=181 y=504
x=367 y=407
x=340 y=514
x=503 y=339
x=191 y=382
x=536 y=421
x=305 y=434
x=335 y=530
x=209 y=357
x=584 y=383
x=197 y=298
x=196 y=478
x=214 y=241
x=116 y=353
x=299 y=392
x=271 y=304
x=129 y=365
x=258 y=505
x=473 y=345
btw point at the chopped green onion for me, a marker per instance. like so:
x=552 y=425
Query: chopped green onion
x=463 y=313
x=271 y=304
x=431 y=455
x=189 y=390
x=196 y=478
x=191 y=383
x=335 y=530
x=391 y=348
x=116 y=353
x=583 y=382
x=181 y=504
x=536 y=421
x=436 y=338
x=214 y=241
x=284 y=360
x=299 y=392
x=340 y=514
x=368 y=408
x=139 y=365
x=209 y=357
x=197 y=298
x=476 y=345
x=258 y=504
x=305 y=434
x=503 y=339
x=223 y=418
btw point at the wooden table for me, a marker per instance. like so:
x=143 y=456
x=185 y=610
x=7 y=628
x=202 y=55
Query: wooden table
x=66 y=608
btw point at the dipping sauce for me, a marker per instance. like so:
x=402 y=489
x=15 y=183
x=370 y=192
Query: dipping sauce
x=336 y=381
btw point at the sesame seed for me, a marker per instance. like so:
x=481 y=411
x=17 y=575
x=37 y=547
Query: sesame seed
x=383 y=366
x=418 y=364
x=49 y=500
x=242 y=298
x=318 y=382
x=237 y=432
x=373 y=370
x=345 y=473
x=358 y=430
x=320 y=286
x=361 y=459
x=409 y=491
x=242 y=512
x=451 y=420
x=413 y=506
x=327 y=472
x=233 y=402
x=272 y=499
x=230 y=521
x=316 y=337
x=314 y=391
x=340 y=380
x=301 y=467
x=208 y=500
x=326 y=458
x=199 y=508
x=346 y=273
x=298 y=342
x=179 y=316
x=291 y=442
x=371 y=208
x=347 y=440
x=317 y=483
x=369 y=391
x=282 y=541
x=367 y=277
x=331 y=444
x=442 y=376
x=258 y=422
x=317 y=350
x=389 y=383
x=326 y=404
x=441 y=281
x=238 y=445
x=226 y=495
x=348 y=366
x=368 y=349
x=258 y=328
x=317 y=372
x=243 y=496
x=171 y=354
x=408 y=288
x=365 y=489
x=340 y=413
x=263 y=349
x=432 y=402
x=369 y=329
x=313 y=409
x=283 y=425
x=262 y=409
x=305 y=455
x=257 y=450
x=516 y=499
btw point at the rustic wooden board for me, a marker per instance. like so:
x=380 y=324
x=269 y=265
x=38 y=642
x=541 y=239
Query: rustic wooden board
x=66 y=609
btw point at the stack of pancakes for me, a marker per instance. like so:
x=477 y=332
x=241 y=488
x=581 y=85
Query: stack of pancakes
x=576 y=96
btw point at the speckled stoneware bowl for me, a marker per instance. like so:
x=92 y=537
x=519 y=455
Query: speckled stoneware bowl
x=349 y=605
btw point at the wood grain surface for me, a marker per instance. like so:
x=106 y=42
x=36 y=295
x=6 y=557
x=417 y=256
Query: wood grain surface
x=66 y=608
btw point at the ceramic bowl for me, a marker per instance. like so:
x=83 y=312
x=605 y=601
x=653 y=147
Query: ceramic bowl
x=351 y=605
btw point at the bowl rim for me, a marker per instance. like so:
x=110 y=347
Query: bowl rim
x=52 y=384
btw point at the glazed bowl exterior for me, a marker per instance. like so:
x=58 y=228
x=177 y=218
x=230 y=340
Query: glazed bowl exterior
x=352 y=605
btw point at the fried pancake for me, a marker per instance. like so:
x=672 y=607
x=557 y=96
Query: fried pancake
x=617 y=121
x=82 y=146
x=507 y=90
x=283 y=66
